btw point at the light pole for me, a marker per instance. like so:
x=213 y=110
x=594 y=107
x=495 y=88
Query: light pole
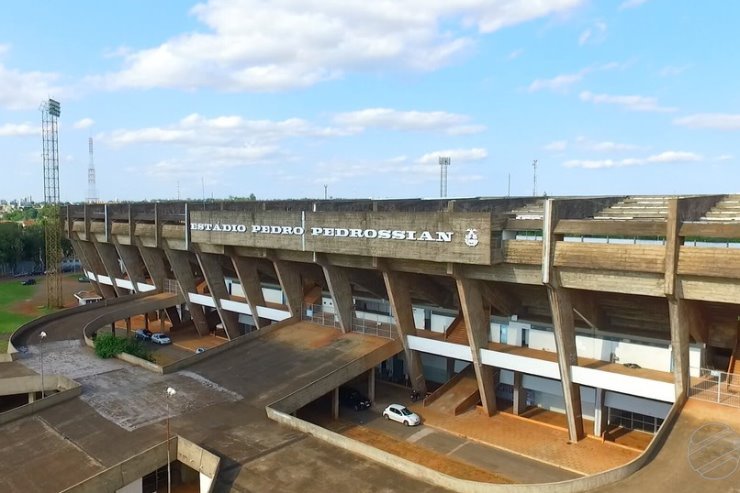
x=42 y=335
x=170 y=393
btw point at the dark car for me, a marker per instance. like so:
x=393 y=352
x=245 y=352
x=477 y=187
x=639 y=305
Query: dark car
x=29 y=282
x=143 y=334
x=350 y=397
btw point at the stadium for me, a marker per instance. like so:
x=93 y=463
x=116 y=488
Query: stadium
x=572 y=343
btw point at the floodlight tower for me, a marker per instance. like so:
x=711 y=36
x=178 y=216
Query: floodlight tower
x=50 y=111
x=534 y=178
x=92 y=191
x=444 y=163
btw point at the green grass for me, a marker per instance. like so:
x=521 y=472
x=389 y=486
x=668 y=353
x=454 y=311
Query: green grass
x=12 y=292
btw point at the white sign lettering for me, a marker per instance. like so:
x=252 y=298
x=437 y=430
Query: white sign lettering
x=380 y=234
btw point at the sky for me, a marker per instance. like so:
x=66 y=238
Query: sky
x=358 y=99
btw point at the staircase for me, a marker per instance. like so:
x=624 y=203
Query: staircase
x=458 y=395
x=457 y=332
x=726 y=210
x=642 y=208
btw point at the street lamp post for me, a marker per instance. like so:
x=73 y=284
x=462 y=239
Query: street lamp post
x=42 y=335
x=170 y=393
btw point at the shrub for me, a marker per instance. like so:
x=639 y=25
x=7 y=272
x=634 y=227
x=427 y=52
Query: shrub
x=108 y=346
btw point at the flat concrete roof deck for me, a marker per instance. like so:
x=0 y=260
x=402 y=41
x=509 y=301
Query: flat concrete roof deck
x=219 y=404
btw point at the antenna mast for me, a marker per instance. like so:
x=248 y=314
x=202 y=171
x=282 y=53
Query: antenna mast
x=92 y=192
x=444 y=163
x=534 y=178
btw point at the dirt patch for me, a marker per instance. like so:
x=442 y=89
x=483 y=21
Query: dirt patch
x=35 y=306
x=422 y=456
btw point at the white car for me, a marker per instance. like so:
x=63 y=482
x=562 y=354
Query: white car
x=160 y=338
x=402 y=414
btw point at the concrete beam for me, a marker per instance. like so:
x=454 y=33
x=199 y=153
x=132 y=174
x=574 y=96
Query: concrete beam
x=477 y=315
x=132 y=262
x=154 y=261
x=210 y=265
x=181 y=267
x=504 y=302
x=587 y=308
x=290 y=281
x=83 y=260
x=341 y=293
x=399 y=295
x=109 y=258
x=96 y=265
x=246 y=271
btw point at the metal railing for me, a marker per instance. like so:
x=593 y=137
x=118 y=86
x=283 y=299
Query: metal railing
x=716 y=386
x=317 y=315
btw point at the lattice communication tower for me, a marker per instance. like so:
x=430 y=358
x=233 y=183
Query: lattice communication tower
x=50 y=111
x=444 y=163
x=92 y=190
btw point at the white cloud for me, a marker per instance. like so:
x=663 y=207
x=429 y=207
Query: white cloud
x=582 y=143
x=717 y=121
x=557 y=146
x=673 y=70
x=724 y=157
x=631 y=4
x=19 y=130
x=450 y=123
x=630 y=102
x=594 y=34
x=84 y=123
x=515 y=54
x=252 y=45
x=562 y=82
x=4 y=48
x=455 y=155
x=559 y=83
x=25 y=90
x=665 y=157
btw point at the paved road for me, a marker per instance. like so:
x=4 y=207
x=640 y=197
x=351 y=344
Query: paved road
x=517 y=468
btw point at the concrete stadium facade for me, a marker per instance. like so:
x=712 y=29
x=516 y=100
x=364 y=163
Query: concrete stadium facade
x=657 y=268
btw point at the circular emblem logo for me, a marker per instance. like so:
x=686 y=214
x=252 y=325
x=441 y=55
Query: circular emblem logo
x=471 y=237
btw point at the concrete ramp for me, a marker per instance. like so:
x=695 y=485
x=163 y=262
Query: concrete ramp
x=701 y=453
x=456 y=396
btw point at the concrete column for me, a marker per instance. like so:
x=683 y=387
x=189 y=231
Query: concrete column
x=600 y=414
x=214 y=274
x=683 y=315
x=563 y=321
x=96 y=266
x=31 y=397
x=109 y=258
x=399 y=296
x=477 y=315
x=290 y=282
x=154 y=261
x=136 y=486
x=520 y=394
x=180 y=262
x=246 y=271
x=450 y=368
x=565 y=342
x=132 y=262
x=371 y=384
x=678 y=311
x=335 y=403
x=86 y=266
x=341 y=294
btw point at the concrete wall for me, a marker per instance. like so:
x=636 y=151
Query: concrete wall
x=404 y=466
x=136 y=467
x=67 y=388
